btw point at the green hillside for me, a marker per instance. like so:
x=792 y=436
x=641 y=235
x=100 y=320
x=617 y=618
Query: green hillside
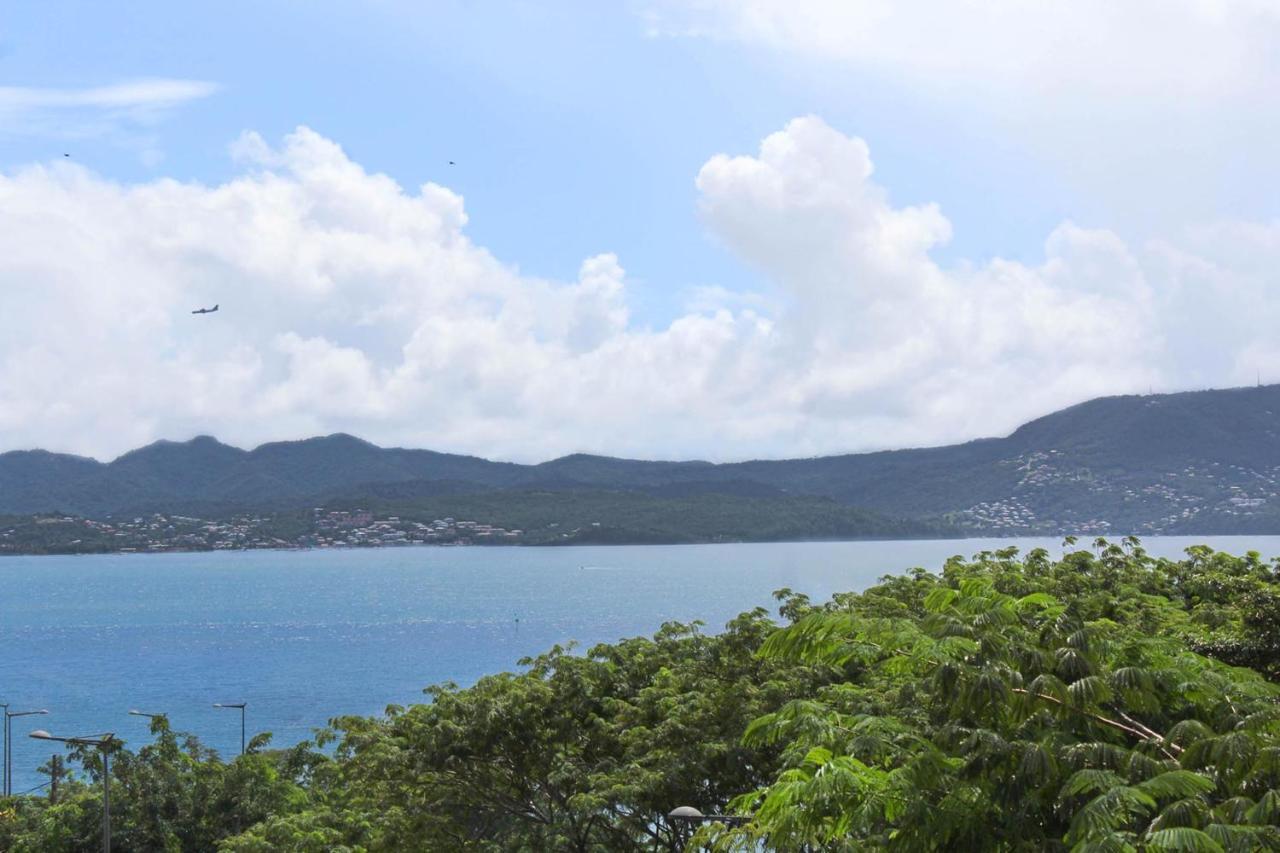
x=1196 y=462
x=611 y=517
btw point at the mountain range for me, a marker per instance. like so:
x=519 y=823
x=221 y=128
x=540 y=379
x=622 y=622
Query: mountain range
x=1192 y=462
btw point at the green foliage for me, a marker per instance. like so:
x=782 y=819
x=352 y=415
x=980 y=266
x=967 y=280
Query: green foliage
x=1008 y=703
x=1029 y=704
x=576 y=753
x=171 y=795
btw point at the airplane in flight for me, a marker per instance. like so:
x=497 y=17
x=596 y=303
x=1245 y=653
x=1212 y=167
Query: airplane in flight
x=205 y=310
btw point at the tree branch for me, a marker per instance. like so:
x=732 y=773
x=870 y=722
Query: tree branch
x=1136 y=729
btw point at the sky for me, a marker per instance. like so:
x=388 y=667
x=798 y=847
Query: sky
x=717 y=229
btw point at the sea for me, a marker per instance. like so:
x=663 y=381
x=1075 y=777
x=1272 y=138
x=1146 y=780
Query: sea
x=302 y=637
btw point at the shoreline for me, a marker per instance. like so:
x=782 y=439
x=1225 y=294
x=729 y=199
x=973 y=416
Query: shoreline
x=1080 y=537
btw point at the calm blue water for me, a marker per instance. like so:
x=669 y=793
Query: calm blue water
x=305 y=636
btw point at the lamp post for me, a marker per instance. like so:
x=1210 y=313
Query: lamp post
x=8 y=744
x=239 y=705
x=688 y=816
x=159 y=723
x=150 y=716
x=103 y=745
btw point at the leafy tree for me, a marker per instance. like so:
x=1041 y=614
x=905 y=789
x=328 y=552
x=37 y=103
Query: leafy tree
x=171 y=795
x=1100 y=701
x=978 y=711
x=576 y=753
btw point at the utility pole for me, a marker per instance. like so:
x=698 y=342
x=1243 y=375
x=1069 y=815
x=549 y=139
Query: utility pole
x=55 y=774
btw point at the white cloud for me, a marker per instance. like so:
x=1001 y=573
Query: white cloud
x=125 y=114
x=138 y=95
x=350 y=303
x=1155 y=114
x=1167 y=50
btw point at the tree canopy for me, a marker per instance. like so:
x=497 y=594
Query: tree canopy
x=1106 y=700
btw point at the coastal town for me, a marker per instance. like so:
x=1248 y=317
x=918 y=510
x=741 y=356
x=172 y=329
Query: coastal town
x=322 y=528
x=1047 y=498
x=359 y=528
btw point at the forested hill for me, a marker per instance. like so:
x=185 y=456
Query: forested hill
x=1203 y=462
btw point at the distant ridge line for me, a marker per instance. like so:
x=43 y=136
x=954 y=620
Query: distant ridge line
x=1197 y=461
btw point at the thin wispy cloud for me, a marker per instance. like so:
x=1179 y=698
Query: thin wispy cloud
x=119 y=109
x=136 y=95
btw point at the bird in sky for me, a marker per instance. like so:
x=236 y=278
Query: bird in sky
x=450 y=162
x=205 y=310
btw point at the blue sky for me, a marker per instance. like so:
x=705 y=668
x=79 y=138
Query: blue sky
x=580 y=129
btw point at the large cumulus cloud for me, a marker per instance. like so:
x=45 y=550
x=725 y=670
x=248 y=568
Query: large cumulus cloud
x=351 y=303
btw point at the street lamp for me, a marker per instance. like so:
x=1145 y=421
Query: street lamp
x=8 y=744
x=688 y=816
x=145 y=714
x=239 y=705
x=159 y=722
x=103 y=745
x=692 y=815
